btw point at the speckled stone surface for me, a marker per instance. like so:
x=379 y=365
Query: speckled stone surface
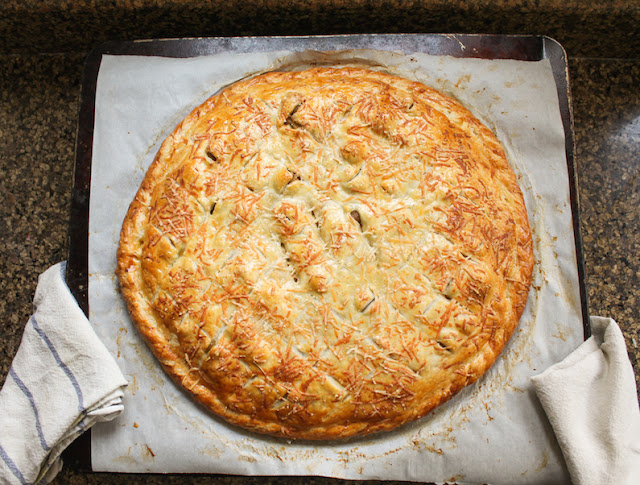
x=39 y=97
x=38 y=117
x=606 y=102
x=602 y=29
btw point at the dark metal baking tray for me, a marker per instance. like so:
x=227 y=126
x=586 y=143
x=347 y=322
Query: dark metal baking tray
x=524 y=48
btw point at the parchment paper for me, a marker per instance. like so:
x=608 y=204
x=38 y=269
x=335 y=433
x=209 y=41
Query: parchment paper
x=492 y=432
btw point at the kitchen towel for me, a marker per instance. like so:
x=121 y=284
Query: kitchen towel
x=591 y=401
x=61 y=381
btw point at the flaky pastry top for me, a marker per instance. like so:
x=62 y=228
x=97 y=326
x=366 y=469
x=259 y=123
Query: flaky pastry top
x=327 y=253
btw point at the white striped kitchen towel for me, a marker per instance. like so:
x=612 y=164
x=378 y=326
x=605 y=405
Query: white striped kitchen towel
x=62 y=381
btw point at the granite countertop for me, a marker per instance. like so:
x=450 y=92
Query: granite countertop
x=39 y=101
x=602 y=29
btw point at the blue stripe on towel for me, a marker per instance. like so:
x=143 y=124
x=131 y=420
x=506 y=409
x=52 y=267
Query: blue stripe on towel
x=12 y=466
x=59 y=361
x=27 y=393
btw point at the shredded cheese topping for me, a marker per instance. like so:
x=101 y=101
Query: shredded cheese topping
x=327 y=253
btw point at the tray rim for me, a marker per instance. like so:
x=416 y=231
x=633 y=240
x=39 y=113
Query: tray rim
x=485 y=46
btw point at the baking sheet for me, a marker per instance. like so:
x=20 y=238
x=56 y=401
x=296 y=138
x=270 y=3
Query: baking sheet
x=493 y=431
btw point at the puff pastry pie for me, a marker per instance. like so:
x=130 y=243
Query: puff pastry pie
x=327 y=253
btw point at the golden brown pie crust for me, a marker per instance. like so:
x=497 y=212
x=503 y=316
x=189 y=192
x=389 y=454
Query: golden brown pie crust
x=327 y=253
